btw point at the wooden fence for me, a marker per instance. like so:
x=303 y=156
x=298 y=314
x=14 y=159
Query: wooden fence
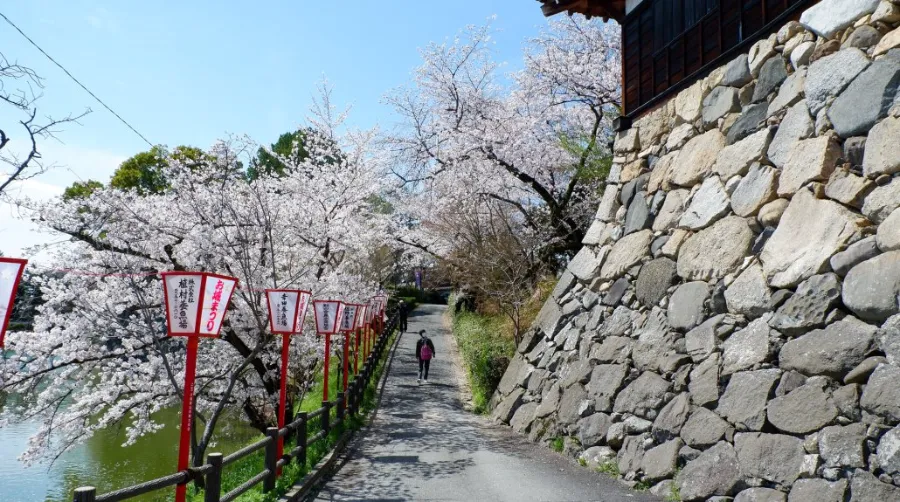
x=331 y=415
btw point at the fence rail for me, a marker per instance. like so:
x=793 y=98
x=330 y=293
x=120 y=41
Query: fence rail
x=346 y=404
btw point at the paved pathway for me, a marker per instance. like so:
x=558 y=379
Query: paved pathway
x=424 y=446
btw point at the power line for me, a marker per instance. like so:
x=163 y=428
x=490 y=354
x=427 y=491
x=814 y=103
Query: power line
x=76 y=80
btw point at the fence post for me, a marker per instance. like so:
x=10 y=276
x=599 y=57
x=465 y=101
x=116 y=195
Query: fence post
x=271 y=459
x=85 y=494
x=301 y=438
x=326 y=417
x=341 y=406
x=214 y=478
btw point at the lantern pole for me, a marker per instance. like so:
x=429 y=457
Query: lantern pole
x=187 y=409
x=282 y=408
x=327 y=358
x=356 y=353
x=346 y=358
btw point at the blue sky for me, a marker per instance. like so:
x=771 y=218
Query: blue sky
x=191 y=71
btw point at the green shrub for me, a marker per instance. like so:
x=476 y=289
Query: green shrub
x=486 y=353
x=557 y=444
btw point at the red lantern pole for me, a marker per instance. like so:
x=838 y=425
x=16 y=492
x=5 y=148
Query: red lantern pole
x=187 y=412
x=356 y=353
x=346 y=358
x=194 y=312
x=327 y=358
x=287 y=311
x=282 y=397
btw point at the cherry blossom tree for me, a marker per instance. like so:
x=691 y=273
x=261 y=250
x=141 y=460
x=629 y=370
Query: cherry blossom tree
x=535 y=141
x=98 y=354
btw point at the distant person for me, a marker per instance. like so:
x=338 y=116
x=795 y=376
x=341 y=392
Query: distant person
x=424 y=353
x=404 y=313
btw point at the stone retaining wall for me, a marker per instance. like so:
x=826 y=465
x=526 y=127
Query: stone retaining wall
x=731 y=326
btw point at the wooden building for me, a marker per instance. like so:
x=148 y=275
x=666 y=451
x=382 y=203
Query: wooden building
x=668 y=44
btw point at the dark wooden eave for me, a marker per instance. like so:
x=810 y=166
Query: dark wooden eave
x=607 y=9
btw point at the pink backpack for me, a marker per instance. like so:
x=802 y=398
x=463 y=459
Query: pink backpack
x=425 y=352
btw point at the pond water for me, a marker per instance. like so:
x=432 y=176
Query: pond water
x=102 y=461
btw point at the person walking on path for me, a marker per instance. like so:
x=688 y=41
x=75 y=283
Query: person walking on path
x=424 y=353
x=404 y=313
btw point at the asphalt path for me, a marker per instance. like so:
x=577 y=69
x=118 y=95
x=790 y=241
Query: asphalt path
x=423 y=444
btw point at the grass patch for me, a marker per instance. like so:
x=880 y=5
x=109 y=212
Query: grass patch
x=610 y=468
x=237 y=473
x=582 y=462
x=674 y=493
x=642 y=486
x=486 y=351
x=557 y=444
x=486 y=341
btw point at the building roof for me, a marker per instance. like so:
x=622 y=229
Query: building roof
x=607 y=9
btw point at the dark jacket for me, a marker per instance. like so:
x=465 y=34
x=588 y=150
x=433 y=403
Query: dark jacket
x=420 y=343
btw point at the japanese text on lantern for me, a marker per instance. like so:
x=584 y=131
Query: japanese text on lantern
x=283 y=310
x=185 y=296
x=214 y=308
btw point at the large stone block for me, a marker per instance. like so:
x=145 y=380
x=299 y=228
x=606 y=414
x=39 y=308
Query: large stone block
x=805 y=409
x=810 y=232
x=709 y=203
x=772 y=457
x=703 y=429
x=827 y=77
x=872 y=288
x=810 y=160
x=796 y=125
x=809 y=306
x=606 y=380
x=737 y=158
x=689 y=103
x=746 y=348
x=696 y=159
x=714 y=252
x=654 y=280
x=843 y=446
x=641 y=396
x=704 y=381
x=718 y=103
x=771 y=75
x=832 y=351
x=818 y=490
x=881 y=396
x=864 y=487
x=888 y=452
x=715 y=472
x=882 y=201
x=686 y=307
x=744 y=401
x=749 y=294
x=672 y=209
x=755 y=190
x=888 y=237
x=626 y=253
x=661 y=462
x=882 y=149
x=829 y=17
x=867 y=99
x=586 y=263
